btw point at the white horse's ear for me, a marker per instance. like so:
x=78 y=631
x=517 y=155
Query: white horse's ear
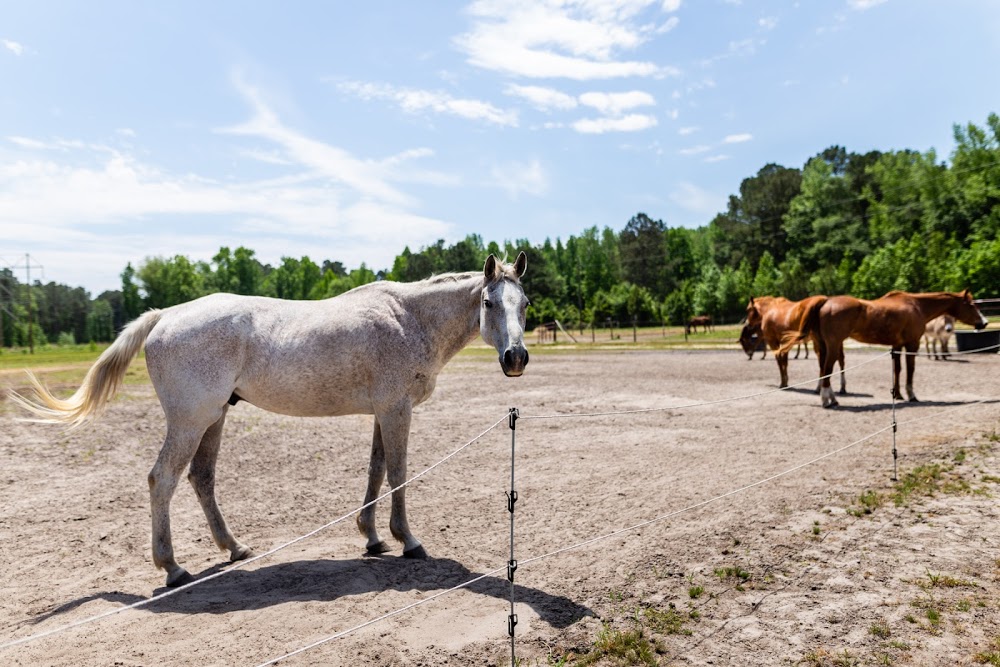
x=520 y=264
x=490 y=270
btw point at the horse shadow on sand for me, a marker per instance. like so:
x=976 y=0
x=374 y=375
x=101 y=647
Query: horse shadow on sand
x=324 y=580
x=906 y=405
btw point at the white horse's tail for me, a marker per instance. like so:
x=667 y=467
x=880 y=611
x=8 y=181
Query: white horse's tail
x=101 y=382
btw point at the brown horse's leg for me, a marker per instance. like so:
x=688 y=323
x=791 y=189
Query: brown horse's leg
x=782 y=359
x=911 y=364
x=202 y=478
x=843 y=375
x=896 y=367
x=177 y=451
x=376 y=475
x=395 y=424
x=830 y=351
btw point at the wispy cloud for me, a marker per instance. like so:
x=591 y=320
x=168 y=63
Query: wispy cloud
x=768 y=22
x=66 y=194
x=629 y=123
x=716 y=158
x=575 y=39
x=544 y=99
x=14 y=47
x=614 y=104
x=862 y=5
x=737 y=138
x=517 y=178
x=695 y=150
x=688 y=131
x=697 y=200
x=413 y=100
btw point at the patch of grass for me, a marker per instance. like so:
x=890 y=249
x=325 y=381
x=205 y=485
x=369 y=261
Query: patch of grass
x=946 y=581
x=815 y=528
x=959 y=456
x=667 y=622
x=926 y=480
x=880 y=629
x=695 y=592
x=991 y=658
x=868 y=502
x=621 y=647
x=732 y=572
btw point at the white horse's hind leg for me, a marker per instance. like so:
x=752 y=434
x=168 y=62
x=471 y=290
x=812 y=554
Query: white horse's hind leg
x=202 y=478
x=395 y=426
x=177 y=452
x=376 y=475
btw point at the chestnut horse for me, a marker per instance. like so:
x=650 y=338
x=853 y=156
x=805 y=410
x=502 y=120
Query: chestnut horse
x=776 y=316
x=704 y=321
x=897 y=319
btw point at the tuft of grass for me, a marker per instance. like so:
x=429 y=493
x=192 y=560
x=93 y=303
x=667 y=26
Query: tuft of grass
x=868 y=502
x=695 y=592
x=621 y=647
x=880 y=629
x=947 y=581
x=667 y=622
x=926 y=480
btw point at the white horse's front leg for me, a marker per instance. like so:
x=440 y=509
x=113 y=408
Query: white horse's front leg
x=376 y=475
x=395 y=425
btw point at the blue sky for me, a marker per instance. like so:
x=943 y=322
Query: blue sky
x=345 y=131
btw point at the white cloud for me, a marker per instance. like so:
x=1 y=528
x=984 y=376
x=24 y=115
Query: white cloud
x=414 y=101
x=574 y=39
x=694 y=150
x=614 y=104
x=89 y=208
x=126 y=132
x=716 y=158
x=737 y=138
x=516 y=178
x=14 y=47
x=862 y=5
x=687 y=131
x=768 y=22
x=697 y=200
x=541 y=98
x=629 y=123
x=671 y=5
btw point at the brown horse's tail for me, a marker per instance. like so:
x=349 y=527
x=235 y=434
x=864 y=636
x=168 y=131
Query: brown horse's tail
x=808 y=326
x=101 y=382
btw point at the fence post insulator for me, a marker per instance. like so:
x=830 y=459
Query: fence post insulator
x=511 y=499
x=511 y=569
x=512 y=420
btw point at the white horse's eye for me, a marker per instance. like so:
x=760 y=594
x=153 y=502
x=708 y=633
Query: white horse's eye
x=487 y=303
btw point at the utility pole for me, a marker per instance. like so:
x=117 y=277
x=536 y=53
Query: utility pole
x=28 y=266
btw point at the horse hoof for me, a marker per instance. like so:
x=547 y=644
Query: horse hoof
x=842 y=392
x=914 y=399
x=179 y=577
x=242 y=553
x=416 y=552
x=377 y=549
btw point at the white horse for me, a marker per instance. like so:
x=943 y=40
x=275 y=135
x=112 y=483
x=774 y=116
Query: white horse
x=937 y=331
x=373 y=350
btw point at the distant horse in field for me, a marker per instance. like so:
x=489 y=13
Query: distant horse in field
x=546 y=332
x=897 y=319
x=704 y=321
x=376 y=349
x=775 y=316
x=938 y=331
x=751 y=341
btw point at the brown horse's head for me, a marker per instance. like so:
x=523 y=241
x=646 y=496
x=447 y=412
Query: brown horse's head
x=964 y=310
x=753 y=315
x=750 y=339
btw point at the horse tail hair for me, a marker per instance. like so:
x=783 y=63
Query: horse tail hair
x=808 y=326
x=99 y=385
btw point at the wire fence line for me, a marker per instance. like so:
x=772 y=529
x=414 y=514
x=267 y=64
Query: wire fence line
x=620 y=531
x=522 y=563
x=242 y=564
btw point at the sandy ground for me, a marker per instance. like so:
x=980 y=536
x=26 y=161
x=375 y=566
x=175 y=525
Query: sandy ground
x=790 y=571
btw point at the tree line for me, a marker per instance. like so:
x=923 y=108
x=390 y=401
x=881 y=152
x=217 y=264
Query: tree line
x=843 y=223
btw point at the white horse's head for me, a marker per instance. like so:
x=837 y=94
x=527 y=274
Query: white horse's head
x=502 y=312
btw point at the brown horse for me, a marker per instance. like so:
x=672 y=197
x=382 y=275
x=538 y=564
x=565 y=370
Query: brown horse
x=751 y=341
x=776 y=316
x=897 y=319
x=704 y=321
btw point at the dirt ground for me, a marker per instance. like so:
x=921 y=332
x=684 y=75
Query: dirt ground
x=817 y=567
